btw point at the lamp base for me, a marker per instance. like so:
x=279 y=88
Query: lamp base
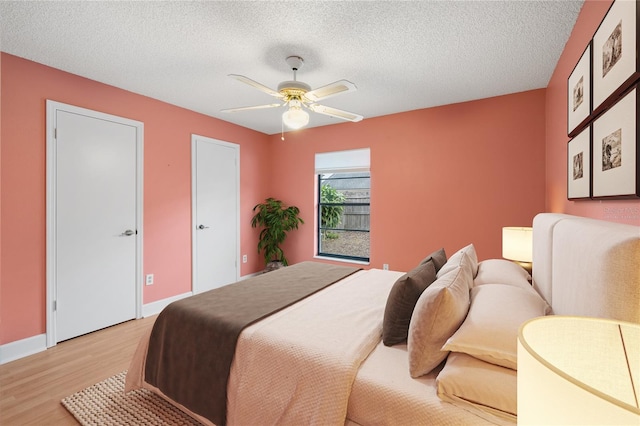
x=527 y=266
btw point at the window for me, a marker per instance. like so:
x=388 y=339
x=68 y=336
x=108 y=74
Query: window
x=344 y=186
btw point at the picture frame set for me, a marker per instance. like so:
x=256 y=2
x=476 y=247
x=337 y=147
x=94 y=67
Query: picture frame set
x=579 y=94
x=603 y=108
x=615 y=150
x=579 y=166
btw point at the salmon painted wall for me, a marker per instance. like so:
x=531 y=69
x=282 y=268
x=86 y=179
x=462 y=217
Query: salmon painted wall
x=445 y=176
x=442 y=176
x=623 y=211
x=25 y=87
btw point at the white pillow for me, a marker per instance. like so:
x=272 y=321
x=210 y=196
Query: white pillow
x=501 y=271
x=490 y=331
x=478 y=385
x=457 y=258
x=437 y=315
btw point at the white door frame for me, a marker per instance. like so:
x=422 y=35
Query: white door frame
x=52 y=108
x=235 y=147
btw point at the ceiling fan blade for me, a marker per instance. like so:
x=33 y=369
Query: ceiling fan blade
x=251 y=107
x=334 y=112
x=336 y=88
x=257 y=85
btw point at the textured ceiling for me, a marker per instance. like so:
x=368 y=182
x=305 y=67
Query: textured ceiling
x=402 y=56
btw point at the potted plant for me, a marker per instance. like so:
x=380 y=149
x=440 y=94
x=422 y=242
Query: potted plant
x=276 y=220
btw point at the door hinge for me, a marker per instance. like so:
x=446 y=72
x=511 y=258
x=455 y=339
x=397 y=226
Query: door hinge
x=55 y=133
x=55 y=305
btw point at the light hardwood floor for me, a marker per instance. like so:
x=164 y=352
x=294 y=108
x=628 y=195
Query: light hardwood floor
x=31 y=388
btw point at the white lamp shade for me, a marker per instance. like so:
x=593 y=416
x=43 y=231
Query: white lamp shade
x=295 y=117
x=578 y=371
x=517 y=243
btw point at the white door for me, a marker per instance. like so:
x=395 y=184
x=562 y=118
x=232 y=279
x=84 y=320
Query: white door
x=215 y=197
x=94 y=196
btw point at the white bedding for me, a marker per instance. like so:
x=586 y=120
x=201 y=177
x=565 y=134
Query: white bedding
x=335 y=369
x=306 y=378
x=349 y=377
x=385 y=394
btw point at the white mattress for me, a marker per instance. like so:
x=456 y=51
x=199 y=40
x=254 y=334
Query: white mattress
x=385 y=394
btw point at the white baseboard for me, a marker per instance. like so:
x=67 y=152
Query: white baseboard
x=21 y=348
x=32 y=345
x=244 y=277
x=154 y=308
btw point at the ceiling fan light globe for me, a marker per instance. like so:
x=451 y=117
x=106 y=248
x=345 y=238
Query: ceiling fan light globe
x=295 y=118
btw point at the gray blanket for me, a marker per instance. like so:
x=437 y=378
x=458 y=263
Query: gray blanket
x=193 y=340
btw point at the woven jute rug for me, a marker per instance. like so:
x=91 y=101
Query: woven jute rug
x=105 y=404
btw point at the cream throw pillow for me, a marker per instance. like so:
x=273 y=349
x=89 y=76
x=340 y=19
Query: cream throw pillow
x=457 y=258
x=485 y=387
x=437 y=315
x=501 y=271
x=490 y=331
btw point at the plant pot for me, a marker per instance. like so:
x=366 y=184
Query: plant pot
x=272 y=266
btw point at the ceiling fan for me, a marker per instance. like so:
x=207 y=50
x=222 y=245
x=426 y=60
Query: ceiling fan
x=298 y=96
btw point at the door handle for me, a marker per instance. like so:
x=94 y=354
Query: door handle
x=128 y=233
x=202 y=227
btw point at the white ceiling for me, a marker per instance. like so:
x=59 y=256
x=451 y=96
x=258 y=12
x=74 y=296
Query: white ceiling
x=401 y=55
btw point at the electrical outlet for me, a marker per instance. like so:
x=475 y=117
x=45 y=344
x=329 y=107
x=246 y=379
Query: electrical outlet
x=244 y=258
x=385 y=266
x=149 y=279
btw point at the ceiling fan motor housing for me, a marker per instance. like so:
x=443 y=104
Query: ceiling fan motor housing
x=293 y=89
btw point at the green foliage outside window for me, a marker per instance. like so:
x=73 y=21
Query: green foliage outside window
x=331 y=215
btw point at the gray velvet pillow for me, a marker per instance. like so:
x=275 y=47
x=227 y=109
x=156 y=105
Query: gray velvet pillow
x=402 y=300
x=439 y=258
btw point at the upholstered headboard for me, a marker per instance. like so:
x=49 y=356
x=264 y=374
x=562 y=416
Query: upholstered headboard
x=587 y=267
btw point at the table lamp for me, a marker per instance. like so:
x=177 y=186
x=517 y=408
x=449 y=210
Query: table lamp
x=517 y=245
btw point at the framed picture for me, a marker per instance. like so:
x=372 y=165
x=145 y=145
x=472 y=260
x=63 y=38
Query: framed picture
x=615 y=150
x=579 y=93
x=615 y=61
x=579 y=166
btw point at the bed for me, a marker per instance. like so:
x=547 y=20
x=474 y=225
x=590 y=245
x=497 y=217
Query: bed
x=435 y=345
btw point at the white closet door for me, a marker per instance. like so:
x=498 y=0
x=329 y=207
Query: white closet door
x=95 y=223
x=215 y=218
